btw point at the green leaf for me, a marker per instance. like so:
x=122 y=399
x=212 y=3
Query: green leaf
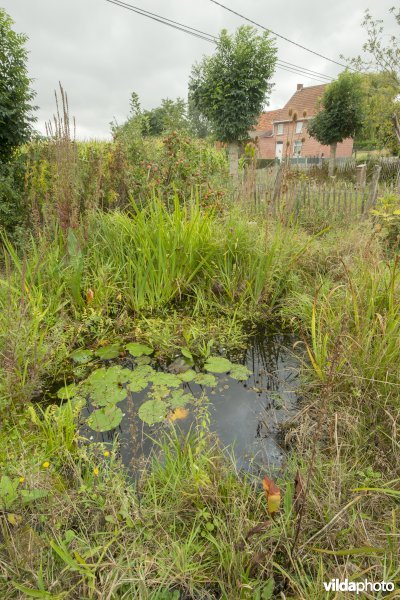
x=32 y=495
x=187 y=376
x=179 y=399
x=136 y=349
x=205 y=379
x=268 y=589
x=108 y=395
x=68 y=391
x=240 y=372
x=218 y=364
x=167 y=379
x=153 y=411
x=8 y=491
x=108 y=352
x=81 y=356
x=105 y=419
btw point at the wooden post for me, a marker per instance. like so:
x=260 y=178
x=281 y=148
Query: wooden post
x=373 y=192
x=278 y=183
x=361 y=175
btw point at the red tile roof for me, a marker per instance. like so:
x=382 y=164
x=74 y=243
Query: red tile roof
x=304 y=102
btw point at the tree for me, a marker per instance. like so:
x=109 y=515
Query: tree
x=170 y=116
x=381 y=104
x=231 y=87
x=381 y=59
x=341 y=115
x=16 y=95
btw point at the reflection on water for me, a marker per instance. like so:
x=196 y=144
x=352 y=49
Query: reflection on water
x=244 y=415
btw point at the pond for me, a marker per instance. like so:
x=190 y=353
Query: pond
x=246 y=406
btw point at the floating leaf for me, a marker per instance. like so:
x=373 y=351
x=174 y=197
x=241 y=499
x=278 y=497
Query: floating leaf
x=205 y=379
x=143 y=360
x=140 y=378
x=218 y=364
x=179 y=399
x=108 y=352
x=187 y=376
x=273 y=495
x=153 y=411
x=240 y=372
x=68 y=391
x=81 y=355
x=109 y=376
x=108 y=395
x=167 y=379
x=136 y=349
x=105 y=419
x=178 y=414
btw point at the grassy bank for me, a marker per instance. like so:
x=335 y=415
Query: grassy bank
x=174 y=274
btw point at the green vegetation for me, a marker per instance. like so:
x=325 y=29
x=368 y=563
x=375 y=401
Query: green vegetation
x=139 y=253
x=15 y=91
x=341 y=115
x=231 y=87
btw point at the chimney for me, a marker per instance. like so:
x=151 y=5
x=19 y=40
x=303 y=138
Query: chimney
x=299 y=87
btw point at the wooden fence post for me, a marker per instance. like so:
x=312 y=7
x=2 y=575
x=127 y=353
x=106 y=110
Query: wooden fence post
x=361 y=175
x=278 y=183
x=373 y=192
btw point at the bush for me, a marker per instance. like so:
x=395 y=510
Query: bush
x=387 y=216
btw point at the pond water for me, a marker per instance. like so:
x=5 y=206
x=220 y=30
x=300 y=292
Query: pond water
x=244 y=415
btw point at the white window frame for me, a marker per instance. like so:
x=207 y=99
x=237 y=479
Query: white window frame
x=279 y=129
x=299 y=126
x=297 y=144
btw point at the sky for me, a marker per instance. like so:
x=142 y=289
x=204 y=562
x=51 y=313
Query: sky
x=101 y=52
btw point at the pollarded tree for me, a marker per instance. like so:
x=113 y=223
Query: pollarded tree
x=231 y=87
x=341 y=115
x=15 y=91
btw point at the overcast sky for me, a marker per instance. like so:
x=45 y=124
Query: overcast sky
x=101 y=52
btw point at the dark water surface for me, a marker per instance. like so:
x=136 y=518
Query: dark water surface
x=245 y=416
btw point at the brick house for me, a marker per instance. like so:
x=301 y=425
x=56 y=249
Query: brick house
x=283 y=132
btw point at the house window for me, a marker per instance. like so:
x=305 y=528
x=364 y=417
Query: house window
x=299 y=126
x=297 y=148
x=279 y=129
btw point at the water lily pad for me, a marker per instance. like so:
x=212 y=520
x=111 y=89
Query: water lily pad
x=105 y=419
x=109 y=394
x=140 y=378
x=143 y=360
x=153 y=411
x=108 y=352
x=167 y=379
x=68 y=391
x=240 y=372
x=81 y=355
x=179 y=399
x=159 y=391
x=178 y=414
x=187 y=376
x=218 y=364
x=136 y=349
x=205 y=379
x=109 y=376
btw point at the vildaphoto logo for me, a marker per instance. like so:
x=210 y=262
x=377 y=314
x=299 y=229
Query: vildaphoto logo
x=338 y=585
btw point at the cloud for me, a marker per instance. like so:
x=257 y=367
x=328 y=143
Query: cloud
x=101 y=52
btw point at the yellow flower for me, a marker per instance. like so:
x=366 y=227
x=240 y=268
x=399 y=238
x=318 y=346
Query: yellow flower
x=46 y=464
x=95 y=471
x=21 y=479
x=106 y=453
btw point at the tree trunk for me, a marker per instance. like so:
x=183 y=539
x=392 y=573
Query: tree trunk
x=332 y=160
x=233 y=152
